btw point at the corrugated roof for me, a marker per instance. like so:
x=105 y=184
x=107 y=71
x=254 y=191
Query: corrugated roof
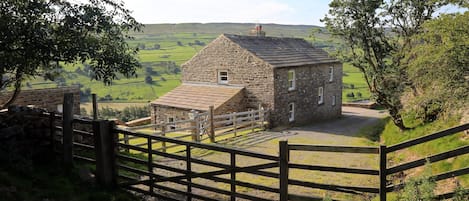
x=282 y=52
x=198 y=96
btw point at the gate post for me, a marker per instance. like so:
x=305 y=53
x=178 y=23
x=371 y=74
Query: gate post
x=382 y=172
x=105 y=143
x=283 y=160
x=67 y=130
x=212 y=125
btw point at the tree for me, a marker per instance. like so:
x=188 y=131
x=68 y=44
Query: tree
x=377 y=36
x=38 y=36
x=157 y=46
x=148 y=79
x=439 y=65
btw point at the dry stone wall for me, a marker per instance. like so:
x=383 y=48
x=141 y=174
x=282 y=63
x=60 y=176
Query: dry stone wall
x=50 y=99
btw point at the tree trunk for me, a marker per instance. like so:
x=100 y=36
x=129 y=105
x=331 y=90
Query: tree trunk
x=397 y=118
x=13 y=97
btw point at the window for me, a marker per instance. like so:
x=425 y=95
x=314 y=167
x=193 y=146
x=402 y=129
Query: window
x=320 y=95
x=291 y=80
x=291 y=112
x=333 y=100
x=222 y=77
x=171 y=125
x=331 y=74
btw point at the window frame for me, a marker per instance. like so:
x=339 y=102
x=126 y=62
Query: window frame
x=291 y=112
x=320 y=95
x=292 y=81
x=220 y=81
x=331 y=73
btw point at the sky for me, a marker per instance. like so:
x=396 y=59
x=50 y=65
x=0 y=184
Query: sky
x=296 y=12
x=304 y=12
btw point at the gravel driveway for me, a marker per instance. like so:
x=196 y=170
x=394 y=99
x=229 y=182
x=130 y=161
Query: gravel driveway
x=340 y=131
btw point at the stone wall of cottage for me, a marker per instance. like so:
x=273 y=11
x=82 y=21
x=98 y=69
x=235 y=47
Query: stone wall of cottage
x=305 y=95
x=244 y=69
x=50 y=99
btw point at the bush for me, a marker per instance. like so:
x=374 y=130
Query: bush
x=350 y=95
x=359 y=94
x=127 y=114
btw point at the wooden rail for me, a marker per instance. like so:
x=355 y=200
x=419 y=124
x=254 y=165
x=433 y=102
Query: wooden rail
x=97 y=145
x=187 y=176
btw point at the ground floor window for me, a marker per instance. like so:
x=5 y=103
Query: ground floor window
x=320 y=95
x=333 y=101
x=291 y=112
x=171 y=125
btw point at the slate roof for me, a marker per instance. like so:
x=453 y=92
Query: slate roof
x=282 y=52
x=198 y=96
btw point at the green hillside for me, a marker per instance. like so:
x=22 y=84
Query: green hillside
x=164 y=47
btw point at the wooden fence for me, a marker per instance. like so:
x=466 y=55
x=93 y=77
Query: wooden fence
x=201 y=127
x=178 y=176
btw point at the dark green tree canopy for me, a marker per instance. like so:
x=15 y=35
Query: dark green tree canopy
x=377 y=36
x=37 y=36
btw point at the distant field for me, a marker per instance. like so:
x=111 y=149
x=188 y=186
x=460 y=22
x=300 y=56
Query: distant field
x=165 y=47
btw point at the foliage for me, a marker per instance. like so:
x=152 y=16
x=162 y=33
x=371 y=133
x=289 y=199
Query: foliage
x=39 y=36
x=419 y=188
x=377 y=35
x=389 y=137
x=439 y=66
x=127 y=114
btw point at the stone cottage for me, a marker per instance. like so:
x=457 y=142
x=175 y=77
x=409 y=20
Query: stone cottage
x=298 y=83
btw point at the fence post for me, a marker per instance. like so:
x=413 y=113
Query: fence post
x=163 y=133
x=382 y=172
x=126 y=142
x=235 y=122
x=253 y=119
x=261 y=116
x=105 y=142
x=195 y=124
x=95 y=106
x=67 y=130
x=283 y=160
x=150 y=164
x=189 y=172
x=52 y=130
x=233 y=175
x=212 y=125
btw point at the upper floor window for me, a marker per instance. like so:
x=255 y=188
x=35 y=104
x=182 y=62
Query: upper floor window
x=222 y=77
x=291 y=80
x=291 y=112
x=320 y=95
x=331 y=74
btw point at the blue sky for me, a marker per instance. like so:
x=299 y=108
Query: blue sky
x=307 y=12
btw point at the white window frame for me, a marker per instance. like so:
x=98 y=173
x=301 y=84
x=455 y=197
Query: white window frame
x=334 y=100
x=320 y=95
x=291 y=112
x=220 y=76
x=331 y=73
x=292 y=80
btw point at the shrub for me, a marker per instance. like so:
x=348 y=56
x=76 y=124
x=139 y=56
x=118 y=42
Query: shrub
x=350 y=95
